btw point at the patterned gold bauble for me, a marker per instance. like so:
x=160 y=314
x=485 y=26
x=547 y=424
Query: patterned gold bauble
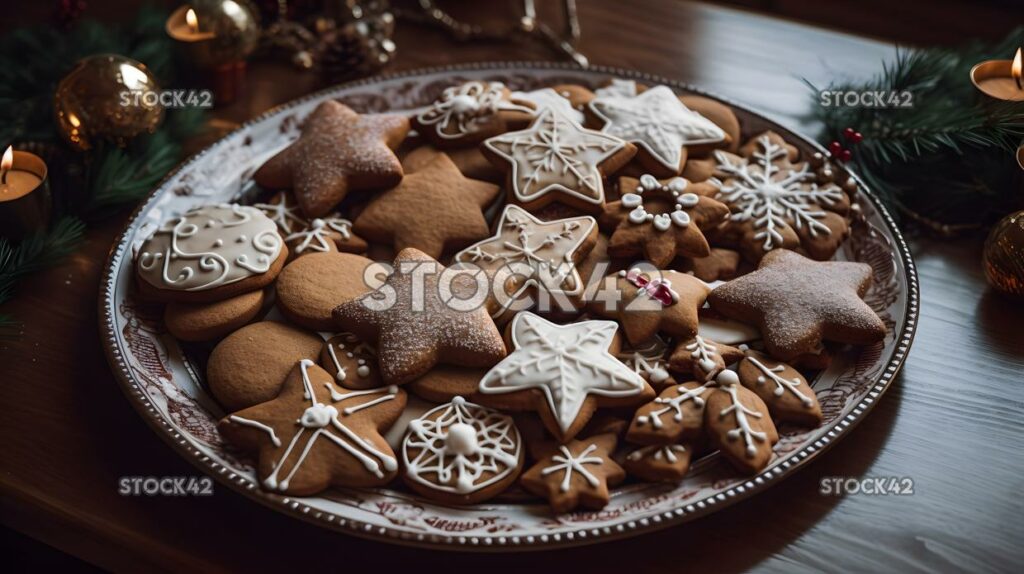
x=1003 y=256
x=107 y=97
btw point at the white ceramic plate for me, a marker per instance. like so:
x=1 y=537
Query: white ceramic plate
x=165 y=384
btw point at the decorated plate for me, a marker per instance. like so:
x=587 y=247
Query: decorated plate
x=164 y=380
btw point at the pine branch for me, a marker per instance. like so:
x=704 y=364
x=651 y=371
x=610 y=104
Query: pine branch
x=38 y=251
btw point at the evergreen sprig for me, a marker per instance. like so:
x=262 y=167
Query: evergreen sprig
x=948 y=160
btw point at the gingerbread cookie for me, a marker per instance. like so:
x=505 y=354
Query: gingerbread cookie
x=434 y=209
x=461 y=453
x=283 y=210
x=470 y=161
x=661 y=220
x=556 y=159
x=445 y=382
x=469 y=113
x=797 y=303
x=563 y=371
x=538 y=257
x=648 y=360
x=776 y=203
x=310 y=287
x=676 y=415
x=702 y=358
x=659 y=124
x=210 y=253
x=782 y=388
x=576 y=474
x=352 y=361
x=314 y=435
x=249 y=365
x=558 y=100
x=720 y=265
x=659 y=463
x=417 y=320
x=739 y=426
x=208 y=321
x=324 y=235
x=339 y=151
x=646 y=303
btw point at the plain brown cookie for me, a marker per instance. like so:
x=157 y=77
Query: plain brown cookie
x=720 y=265
x=470 y=161
x=208 y=321
x=352 y=362
x=310 y=287
x=249 y=365
x=445 y=382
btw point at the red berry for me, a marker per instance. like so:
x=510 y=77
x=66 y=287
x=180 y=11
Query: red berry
x=835 y=147
x=856 y=137
x=845 y=155
x=848 y=133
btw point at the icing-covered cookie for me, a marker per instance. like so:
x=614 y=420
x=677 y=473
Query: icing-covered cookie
x=576 y=474
x=339 y=151
x=701 y=358
x=352 y=362
x=556 y=159
x=471 y=112
x=676 y=415
x=656 y=463
x=314 y=435
x=461 y=453
x=538 y=257
x=739 y=426
x=209 y=253
x=660 y=220
x=659 y=124
x=782 y=388
x=563 y=371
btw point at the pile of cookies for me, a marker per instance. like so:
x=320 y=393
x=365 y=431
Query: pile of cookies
x=547 y=291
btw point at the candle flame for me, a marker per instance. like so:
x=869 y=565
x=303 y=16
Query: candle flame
x=192 y=20
x=1015 y=70
x=8 y=160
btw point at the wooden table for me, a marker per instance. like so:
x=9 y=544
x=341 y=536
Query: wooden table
x=951 y=422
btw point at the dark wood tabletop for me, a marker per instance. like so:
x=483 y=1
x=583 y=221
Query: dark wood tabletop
x=952 y=421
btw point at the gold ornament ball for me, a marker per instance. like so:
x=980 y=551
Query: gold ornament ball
x=107 y=97
x=1003 y=256
x=227 y=32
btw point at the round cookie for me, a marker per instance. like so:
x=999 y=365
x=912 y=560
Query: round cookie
x=310 y=287
x=208 y=321
x=249 y=366
x=445 y=382
x=210 y=253
x=461 y=453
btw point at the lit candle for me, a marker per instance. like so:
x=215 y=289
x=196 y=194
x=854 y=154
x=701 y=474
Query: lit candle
x=24 y=194
x=1000 y=79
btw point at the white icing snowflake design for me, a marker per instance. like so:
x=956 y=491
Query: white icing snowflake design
x=286 y=216
x=546 y=98
x=657 y=121
x=556 y=154
x=760 y=191
x=565 y=362
x=569 y=464
x=316 y=234
x=461 y=109
x=535 y=251
x=647 y=360
x=456 y=444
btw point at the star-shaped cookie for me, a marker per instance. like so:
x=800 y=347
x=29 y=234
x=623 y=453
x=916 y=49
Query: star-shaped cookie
x=657 y=122
x=540 y=257
x=661 y=220
x=339 y=151
x=557 y=159
x=316 y=434
x=434 y=209
x=466 y=114
x=797 y=303
x=564 y=371
x=649 y=302
x=576 y=474
x=423 y=315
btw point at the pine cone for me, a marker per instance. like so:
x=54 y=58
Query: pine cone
x=357 y=49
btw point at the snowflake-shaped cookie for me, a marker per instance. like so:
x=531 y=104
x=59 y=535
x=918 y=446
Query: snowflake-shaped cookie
x=556 y=158
x=569 y=366
x=657 y=122
x=461 y=452
x=776 y=203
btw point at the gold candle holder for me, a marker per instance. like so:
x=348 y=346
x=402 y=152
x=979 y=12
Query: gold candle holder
x=25 y=199
x=1000 y=79
x=213 y=38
